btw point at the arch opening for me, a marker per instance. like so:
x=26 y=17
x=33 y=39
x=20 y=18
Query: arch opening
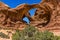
x=32 y=12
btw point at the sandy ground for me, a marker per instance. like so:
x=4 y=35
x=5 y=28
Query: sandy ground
x=7 y=33
x=56 y=33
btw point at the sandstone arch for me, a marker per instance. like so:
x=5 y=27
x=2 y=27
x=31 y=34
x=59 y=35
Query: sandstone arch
x=54 y=23
x=42 y=16
x=46 y=5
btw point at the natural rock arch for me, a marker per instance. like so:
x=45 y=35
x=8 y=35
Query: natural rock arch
x=54 y=23
x=42 y=14
x=47 y=5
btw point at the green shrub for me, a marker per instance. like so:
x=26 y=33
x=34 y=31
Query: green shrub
x=31 y=33
x=2 y=35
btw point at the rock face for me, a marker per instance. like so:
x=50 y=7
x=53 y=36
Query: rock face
x=4 y=6
x=9 y=16
x=47 y=15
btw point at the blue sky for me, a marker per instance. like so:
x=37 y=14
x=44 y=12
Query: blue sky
x=14 y=3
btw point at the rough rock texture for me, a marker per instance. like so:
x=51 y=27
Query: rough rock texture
x=8 y=18
x=13 y=17
x=4 y=6
x=53 y=6
x=46 y=17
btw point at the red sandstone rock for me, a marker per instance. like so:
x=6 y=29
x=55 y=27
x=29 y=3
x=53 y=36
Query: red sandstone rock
x=46 y=17
x=54 y=23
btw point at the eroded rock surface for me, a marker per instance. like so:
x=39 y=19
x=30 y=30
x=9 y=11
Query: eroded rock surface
x=46 y=17
x=53 y=6
x=8 y=18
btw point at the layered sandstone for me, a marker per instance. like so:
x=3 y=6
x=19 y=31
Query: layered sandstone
x=46 y=17
x=53 y=6
x=6 y=11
